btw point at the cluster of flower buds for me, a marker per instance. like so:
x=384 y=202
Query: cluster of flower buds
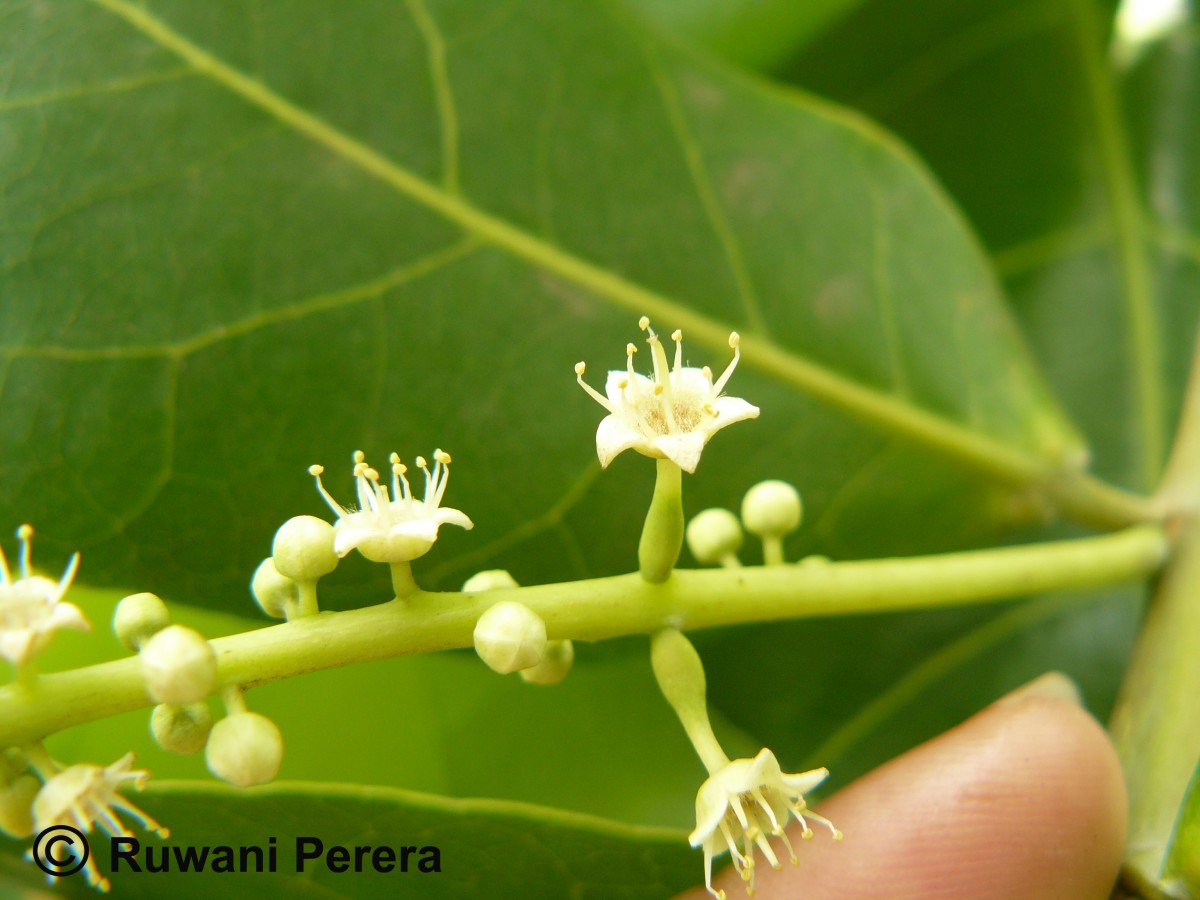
x=771 y=510
x=510 y=637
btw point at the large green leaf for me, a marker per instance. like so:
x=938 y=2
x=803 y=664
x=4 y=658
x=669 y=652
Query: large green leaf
x=227 y=257
x=241 y=239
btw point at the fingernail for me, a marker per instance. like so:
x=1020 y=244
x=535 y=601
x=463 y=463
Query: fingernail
x=1052 y=684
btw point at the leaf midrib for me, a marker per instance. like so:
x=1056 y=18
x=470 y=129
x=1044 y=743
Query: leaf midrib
x=982 y=452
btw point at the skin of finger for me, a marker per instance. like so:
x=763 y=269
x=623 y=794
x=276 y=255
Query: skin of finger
x=1025 y=799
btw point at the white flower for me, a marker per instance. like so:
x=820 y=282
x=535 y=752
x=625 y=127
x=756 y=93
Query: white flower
x=84 y=795
x=397 y=527
x=752 y=799
x=670 y=416
x=30 y=606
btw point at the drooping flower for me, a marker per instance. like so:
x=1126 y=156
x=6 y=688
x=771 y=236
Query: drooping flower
x=670 y=416
x=85 y=795
x=31 y=607
x=392 y=527
x=744 y=803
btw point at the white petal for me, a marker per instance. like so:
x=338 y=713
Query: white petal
x=803 y=782
x=730 y=410
x=682 y=449
x=621 y=399
x=68 y=615
x=615 y=436
x=353 y=530
x=445 y=515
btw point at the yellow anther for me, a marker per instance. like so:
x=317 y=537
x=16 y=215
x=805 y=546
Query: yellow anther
x=316 y=470
x=630 y=349
x=394 y=458
x=580 y=368
x=25 y=532
x=442 y=456
x=644 y=323
x=707 y=372
x=677 y=335
x=623 y=383
x=734 y=340
x=359 y=468
x=421 y=463
x=371 y=473
x=359 y=456
x=658 y=389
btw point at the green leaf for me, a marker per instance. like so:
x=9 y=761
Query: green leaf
x=1079 y=174
x=486 y=847
x=758 y=34
x=1182 y=871
x=229 y=256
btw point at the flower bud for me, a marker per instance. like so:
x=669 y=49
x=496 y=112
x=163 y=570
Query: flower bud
x=181 y=729
x=139 y=617
x=771 y=509
x=178 y=666
x=245 y=749
x=17 y=793
x=303 y=549
x=275 y=594
x=554 y=665
x=714 y=536
x=489 y=580
x=509 y=637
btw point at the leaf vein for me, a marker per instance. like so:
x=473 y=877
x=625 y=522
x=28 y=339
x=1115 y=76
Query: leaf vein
x=443 y=94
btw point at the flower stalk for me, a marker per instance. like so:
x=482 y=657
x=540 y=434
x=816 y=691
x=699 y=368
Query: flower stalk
x=662 y=532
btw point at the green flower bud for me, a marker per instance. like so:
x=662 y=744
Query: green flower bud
x=245 y=749
x=554 y=665
x=714 y=536
x=138 y=617
x=510 y=637
x=178 y=666
x=17 y=793
x=303 y=549
x=275 y=594
x=772 y=509
x=181 y=729
x=489 y=580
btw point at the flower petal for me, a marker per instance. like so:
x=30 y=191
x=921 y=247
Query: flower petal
x=682 y=449
x=615 y=436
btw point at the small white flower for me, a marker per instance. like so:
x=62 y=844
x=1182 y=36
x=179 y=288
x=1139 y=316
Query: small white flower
x=751 y=799
x=392 y=527
x=30 y=606
x=670 y=416
x=85 y=795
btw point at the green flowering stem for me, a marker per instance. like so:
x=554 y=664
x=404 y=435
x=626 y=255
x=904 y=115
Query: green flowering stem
x=601 y=608
x=662 y=533
x=680 y=676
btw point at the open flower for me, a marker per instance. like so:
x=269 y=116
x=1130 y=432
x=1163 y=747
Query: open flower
x=670 y=416
x=83 y=795
x=751 y=799
x=392 y=527
x=31 y=607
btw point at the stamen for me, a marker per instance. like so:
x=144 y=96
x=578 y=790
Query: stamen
x=316 y=472
x=734 y=341
x=25 y=536
x=359 y=456
x=833 y=829
x=677 y=337
x=580 y=368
